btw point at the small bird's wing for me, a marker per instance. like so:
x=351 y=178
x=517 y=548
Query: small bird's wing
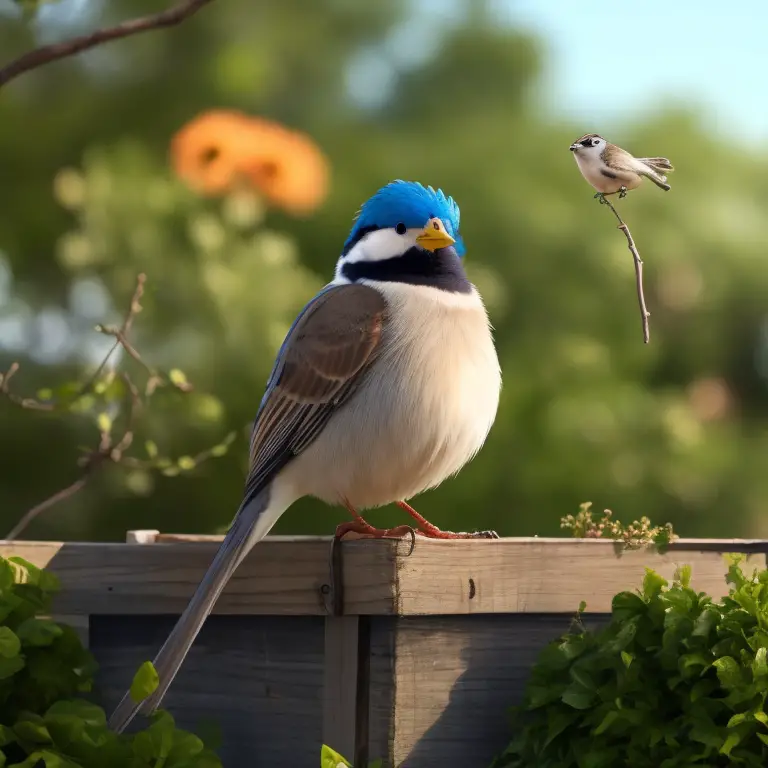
x=324 y=357
x=320 y=363
x=619 y=160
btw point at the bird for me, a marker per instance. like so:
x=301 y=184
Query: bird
x=610 y=169
x=386 y=384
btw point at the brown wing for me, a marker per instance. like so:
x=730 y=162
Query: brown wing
x=618 y=158
x=322 y=360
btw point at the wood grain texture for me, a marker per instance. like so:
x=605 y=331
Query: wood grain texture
x=284 y=575
x=260 y=679
x=540 y=575
x=340 y=683
x=281 y=576
x=454 y=679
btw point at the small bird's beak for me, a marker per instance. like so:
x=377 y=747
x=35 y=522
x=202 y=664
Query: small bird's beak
x=434 y=236
x=574 y=147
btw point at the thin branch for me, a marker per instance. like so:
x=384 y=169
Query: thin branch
x=133 y=309
x=644 y=313
x=51 y=501
x=47 y=53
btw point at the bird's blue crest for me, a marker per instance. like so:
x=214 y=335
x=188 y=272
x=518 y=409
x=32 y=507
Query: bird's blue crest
x=411 y=203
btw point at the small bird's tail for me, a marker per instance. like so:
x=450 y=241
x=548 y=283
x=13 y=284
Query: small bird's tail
x=253 y=521
x=658 y=164
x=655 y=169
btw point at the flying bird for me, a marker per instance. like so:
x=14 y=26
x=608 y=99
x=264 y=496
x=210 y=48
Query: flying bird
x=610 y=169
x=386 y=384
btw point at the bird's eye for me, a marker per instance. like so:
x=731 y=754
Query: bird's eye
x=400 y=228
x=595 y=142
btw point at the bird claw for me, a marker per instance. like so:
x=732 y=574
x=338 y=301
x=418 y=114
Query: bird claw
x=600 y=197
x=486 y=535
x=622 y=192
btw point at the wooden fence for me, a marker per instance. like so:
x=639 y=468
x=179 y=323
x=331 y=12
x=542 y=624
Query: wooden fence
x=414 y=657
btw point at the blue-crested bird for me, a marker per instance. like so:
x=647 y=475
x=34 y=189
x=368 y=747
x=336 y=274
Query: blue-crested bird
x=386 y=384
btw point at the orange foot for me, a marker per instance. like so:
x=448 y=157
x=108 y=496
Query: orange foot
x=433 y=532
x=363 y=527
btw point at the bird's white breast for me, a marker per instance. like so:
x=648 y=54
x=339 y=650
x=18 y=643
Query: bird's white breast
x=424 y=409
x=591 y=165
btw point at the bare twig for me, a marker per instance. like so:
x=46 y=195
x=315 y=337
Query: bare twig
x=120 y=337
x=51 y=501
x=644 y=313
x=47 y=53
x=23 y=402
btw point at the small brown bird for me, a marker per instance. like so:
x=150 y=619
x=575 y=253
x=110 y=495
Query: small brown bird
x=610 y=169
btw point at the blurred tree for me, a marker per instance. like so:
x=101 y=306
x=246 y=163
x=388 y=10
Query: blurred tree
x=677 y=429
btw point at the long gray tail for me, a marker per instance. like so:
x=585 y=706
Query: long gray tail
x=251 y=524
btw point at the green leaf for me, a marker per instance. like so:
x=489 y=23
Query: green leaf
x=732 y=740
x=577 y=697
x=683 y=575
x=625 y=605
x=7 y=736
x=9 y=667
x=38 y=632
x=185 y=463
x=10 y=645
x=331 y=759
x=653 y=583
x=145 y=682
x=728 y=672
x=32 y=728
x=609 y=719
x=760 y=663
x=177 y=377
x=627 y=658
x=104 y=423
x=151 y=448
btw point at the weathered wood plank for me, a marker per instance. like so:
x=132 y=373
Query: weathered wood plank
x=454 y=681
x=540 y=575
x=284 y=575
x=340 y=686
x=279 y=577
x=258 y=678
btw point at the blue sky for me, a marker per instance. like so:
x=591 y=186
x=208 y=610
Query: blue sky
x=607 y=61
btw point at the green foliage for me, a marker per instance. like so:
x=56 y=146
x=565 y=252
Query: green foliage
x=678 y=426
x=640 y=533
x=674 y=680
x=44 y=669
x=329 y=758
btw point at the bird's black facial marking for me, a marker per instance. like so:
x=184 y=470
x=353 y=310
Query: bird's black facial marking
x=359 y=235
x=440 y=269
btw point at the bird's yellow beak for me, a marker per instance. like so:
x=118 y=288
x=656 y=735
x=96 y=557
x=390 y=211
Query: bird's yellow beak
x=434 y=236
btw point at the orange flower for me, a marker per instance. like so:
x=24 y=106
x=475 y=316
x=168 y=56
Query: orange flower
x=220 y=149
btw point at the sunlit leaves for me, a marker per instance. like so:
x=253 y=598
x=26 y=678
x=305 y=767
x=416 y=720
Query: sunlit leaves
x=674 y=680
x=44 y=668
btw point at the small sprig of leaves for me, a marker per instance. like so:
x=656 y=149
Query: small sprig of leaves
x=44 y=668
x=329 y=758
x=115 y=402
x=586 y=524
x=674 y=680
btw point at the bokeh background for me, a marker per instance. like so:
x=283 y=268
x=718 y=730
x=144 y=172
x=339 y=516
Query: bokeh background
x=479 y=97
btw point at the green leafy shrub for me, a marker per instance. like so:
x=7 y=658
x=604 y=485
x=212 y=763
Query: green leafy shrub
x=675 y=679
x=43 y=669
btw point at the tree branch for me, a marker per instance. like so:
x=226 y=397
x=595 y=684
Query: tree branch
x=47 y=53
x=112 y=449
x=644 y=313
